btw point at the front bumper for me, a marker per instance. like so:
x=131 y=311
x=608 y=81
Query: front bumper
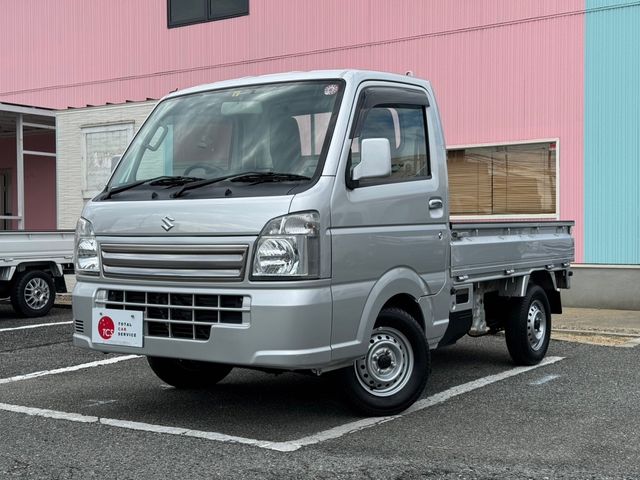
x=288 y=328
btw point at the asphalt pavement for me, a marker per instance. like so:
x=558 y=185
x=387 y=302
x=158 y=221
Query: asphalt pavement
x=88 y=415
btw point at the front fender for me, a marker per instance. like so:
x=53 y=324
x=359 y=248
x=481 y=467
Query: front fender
x=398 y=281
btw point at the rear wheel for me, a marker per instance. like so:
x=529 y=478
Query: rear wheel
x=33 y=293
x=393 y=373
x=188 y=373
x=528 y=328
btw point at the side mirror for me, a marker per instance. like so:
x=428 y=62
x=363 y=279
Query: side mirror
x=375 y=159
x=114 y=161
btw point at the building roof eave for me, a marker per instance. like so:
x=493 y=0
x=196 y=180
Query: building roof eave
x=27 y=110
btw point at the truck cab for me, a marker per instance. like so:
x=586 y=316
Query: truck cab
x=300 y=222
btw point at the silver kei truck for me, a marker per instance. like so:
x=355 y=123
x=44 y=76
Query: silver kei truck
x=32 y=268
x=301 y=222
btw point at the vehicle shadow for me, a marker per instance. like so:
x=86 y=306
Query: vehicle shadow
x=247 y=403
x=276 y=406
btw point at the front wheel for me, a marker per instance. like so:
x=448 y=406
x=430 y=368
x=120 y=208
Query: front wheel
x=188 y=374
x=393 y=373
x=528 y=328
x=33 y=293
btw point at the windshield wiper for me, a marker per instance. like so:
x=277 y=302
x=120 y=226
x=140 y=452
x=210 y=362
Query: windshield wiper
x=255 y=177
x=202 y=183
x=166 y=180
x=269 y=177
x=211 y=181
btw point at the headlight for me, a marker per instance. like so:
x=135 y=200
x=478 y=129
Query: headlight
x=289 y=246
x=86 y=248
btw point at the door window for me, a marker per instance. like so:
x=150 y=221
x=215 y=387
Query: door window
x=404 y=126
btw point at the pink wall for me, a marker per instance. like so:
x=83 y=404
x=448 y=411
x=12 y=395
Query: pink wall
x=501 y=72
x=39 y=180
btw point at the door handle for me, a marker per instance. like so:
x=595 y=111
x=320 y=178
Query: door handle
x=435 y=203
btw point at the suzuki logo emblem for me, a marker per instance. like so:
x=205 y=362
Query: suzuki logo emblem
x=166 y=223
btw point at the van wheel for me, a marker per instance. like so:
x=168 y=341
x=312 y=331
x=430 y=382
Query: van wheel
x=33 y=293
x=393 y=373
x=528 y=327
x=188 y=373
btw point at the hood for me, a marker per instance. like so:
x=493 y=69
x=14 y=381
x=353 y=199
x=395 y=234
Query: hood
x=217 y=216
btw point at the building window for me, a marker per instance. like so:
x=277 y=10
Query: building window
x=99 y=146
x=503 y=179
x=188 y=12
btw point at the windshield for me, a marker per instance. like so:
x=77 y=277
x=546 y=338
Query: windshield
x=276 y=129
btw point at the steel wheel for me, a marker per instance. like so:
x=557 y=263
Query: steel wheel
x=388 y=364
x=395 y=368
x=37 y=293
x=536 y=325
x=528 y=327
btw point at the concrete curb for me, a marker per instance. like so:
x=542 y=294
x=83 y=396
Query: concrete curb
x=597 y=332
x=63 y=300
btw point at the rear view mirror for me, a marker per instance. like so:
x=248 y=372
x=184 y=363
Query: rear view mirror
x=241 y=108
x=375 y=159
x=158 y=137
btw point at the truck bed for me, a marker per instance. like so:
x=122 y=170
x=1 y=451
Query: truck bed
x=494 y=250
x=18 y=247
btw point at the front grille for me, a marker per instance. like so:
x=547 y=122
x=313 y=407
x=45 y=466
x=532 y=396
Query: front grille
x=174 y=262
x=179 y=315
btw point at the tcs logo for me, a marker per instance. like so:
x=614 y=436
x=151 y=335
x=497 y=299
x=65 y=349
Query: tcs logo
x=106 y=327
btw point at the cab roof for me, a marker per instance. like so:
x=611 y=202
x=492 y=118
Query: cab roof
x=350 y=76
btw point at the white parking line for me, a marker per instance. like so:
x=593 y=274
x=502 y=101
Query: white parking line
x=90 y=402
x=27 y=327
x=73 y=368
x=39 y=412
x=287 y=446
x=543 y=380
x=420 y=404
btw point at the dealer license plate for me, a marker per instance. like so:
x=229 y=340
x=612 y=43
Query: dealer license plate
x=117 y=327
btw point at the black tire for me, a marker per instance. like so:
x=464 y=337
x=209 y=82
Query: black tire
x=188 y=374
x=528 y=327
x=33 y=293
x=395 y=332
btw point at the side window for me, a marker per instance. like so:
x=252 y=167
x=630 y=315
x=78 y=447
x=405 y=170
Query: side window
x=404 y=126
